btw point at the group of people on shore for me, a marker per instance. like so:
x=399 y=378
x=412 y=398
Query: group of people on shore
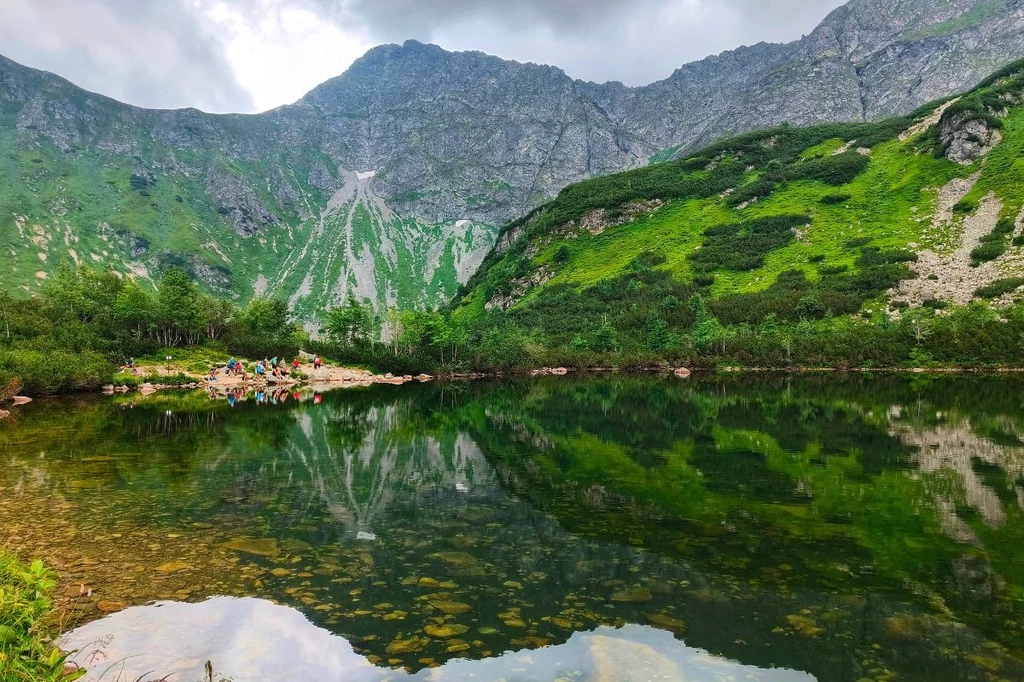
x=267 y=369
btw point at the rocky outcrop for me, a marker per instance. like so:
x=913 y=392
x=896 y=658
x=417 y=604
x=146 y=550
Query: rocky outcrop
x=596 y=222
x=238 y=203
x=519 y=287
x=967 y=138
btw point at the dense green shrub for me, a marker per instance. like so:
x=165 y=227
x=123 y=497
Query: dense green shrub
x=994 y=244
x=744 y=246
x=753 y=191
x=873 y=256
x=988 y=251
x=46 y=372
x=645 y=261
x=832 y=199
x=999 y=287
x=1005 y=226
x=965 y=206
x=837 y=170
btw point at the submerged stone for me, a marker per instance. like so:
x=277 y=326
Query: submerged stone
x=666 y=622
x=259 y=547
x=451 y=608
x=804 y=625
x=632 y=594
x=407 y=646
x=445 y=631
x=111 y=606
x=456 y=646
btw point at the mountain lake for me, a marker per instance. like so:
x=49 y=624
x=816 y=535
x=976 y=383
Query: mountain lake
x=621 y=527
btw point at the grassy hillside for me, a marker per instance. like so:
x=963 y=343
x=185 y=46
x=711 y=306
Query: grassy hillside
x=803 y=230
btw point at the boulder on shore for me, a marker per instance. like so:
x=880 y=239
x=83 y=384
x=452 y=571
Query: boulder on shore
x=21 y=400
x=682 y=372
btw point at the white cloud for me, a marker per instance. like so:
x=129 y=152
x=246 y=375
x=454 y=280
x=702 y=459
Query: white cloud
x=283 y=51
x=155 y=54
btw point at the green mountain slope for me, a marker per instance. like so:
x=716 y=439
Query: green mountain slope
x=246 y=204
x=817 y=226
x=240 y=225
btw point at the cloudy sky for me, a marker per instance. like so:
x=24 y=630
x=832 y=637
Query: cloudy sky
x=252 y=55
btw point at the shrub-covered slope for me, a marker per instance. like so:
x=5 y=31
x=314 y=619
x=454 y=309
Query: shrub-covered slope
x=825 y=226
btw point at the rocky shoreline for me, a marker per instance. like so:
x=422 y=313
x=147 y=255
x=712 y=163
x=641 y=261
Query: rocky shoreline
x=325 y=378
x=330 y=378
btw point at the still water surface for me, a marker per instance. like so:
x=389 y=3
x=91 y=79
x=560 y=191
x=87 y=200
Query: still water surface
x=764 y=528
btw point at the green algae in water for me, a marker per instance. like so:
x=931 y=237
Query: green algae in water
x=850 y=528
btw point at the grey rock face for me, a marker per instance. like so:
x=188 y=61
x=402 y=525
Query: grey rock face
x=967 y=139
x=239 y=203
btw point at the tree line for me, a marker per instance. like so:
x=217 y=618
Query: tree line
x=85 y=322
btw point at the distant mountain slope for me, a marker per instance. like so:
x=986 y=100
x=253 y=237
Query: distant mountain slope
x=790 y=225
x=387 y=181
x=247 y=204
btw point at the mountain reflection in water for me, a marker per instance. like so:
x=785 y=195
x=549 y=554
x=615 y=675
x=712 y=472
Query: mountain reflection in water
x=853 y=528
x=253 y=639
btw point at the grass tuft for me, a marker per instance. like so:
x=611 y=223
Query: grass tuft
x=27 y=651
